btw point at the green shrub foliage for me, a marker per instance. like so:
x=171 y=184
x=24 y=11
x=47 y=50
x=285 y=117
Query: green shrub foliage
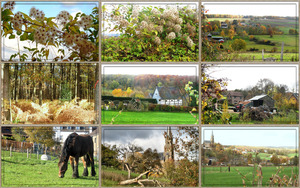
x=151 y=33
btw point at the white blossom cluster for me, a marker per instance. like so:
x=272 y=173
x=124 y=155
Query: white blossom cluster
x=86 y=21
x=157 y=40
x=36 y=13
x=171 y=36
x=190 y=42
x=63 y=17
x=9 y=5
x=78 y=42
x=18 y=20
x=40 y=35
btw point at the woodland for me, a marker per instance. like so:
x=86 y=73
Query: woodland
x=50 y=93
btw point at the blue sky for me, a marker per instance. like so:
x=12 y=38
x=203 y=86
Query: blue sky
x=253 y=136
x=51 y=9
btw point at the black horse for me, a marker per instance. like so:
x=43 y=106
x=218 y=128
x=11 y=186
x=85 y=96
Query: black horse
x=74 y=147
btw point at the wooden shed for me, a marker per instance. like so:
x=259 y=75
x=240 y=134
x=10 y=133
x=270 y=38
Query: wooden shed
x=262 y=100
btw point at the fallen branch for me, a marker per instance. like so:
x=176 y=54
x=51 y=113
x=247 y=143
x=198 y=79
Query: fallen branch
x=141 y=181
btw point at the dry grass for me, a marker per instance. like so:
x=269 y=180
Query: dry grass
x=75 y=116
x=112 y=176
x=53 y=112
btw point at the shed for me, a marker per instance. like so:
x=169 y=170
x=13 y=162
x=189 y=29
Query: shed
x=262 y=100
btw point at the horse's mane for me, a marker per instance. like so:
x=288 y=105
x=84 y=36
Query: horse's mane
x=66 y=147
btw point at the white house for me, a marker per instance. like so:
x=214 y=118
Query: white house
x=61 y=133
x=168 y=96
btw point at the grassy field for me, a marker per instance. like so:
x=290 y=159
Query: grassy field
x=18 y=171
x=148 y=117
x=291 y=118
x=212 y=177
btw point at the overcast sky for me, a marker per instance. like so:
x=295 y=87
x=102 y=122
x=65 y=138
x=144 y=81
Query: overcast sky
x=145 y=137
x=243 y=76
x=51 y=9
x=253 y=136
x=189 y=70
x=253 y=8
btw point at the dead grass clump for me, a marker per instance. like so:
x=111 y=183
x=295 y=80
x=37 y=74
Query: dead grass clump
x=76 y=115
x=84 y=104
x=18 y=115
x=26 y=106
x=112 y=176
x=53 y=106
x=39 y=118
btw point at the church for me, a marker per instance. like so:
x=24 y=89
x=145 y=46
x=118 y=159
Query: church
x=209 y=144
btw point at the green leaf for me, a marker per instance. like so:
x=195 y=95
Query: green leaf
x=24 y=36
x=12 y=36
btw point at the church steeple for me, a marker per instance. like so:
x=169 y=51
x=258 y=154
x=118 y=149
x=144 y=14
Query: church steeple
x=169 y=148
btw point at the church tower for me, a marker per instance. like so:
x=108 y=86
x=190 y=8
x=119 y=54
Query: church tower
x=212 y=139
x=168 y=150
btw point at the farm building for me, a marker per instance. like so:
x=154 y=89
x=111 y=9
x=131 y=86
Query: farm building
x=169 y=96
x=224 y=25
x=262 y=100
x=234 y=97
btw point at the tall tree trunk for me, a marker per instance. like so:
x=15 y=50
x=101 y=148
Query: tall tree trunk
x=34 y=86
x=20 y=93
x=40 y=86
x=96 y=93
x=16 y=81
x=6 y=91
x=78 y=81
x=52 y=81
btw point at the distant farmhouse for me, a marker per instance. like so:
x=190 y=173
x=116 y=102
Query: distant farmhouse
x=234 y=97
x=168 y=96
x=294 y=98
x=224 y=25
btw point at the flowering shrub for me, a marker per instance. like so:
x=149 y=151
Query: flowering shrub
x=151 y=34
x=79 y=35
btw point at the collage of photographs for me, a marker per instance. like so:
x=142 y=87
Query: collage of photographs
x=103 y=93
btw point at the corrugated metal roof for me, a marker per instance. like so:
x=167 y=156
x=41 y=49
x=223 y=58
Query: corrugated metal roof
x=257 y=97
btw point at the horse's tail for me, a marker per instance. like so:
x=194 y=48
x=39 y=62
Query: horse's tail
x=87 y=160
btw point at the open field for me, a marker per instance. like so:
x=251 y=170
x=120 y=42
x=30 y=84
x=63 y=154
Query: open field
x=147 y=117
x=212 y=177
x=18 y=171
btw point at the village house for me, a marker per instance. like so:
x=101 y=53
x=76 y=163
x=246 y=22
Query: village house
x=293 y=98
x=234 y=97
x=169 y=96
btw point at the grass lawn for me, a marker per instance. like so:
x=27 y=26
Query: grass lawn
x=212 y=177
x=148 y=117
x=18 y=171
x=288 y=119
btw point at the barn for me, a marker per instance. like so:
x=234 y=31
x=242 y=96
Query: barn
x=262 y=100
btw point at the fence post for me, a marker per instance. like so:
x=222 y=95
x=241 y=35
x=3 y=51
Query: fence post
x=10 y=151
x=27 y=153
x=37 y=154
x=262 y=51
x=282 y=46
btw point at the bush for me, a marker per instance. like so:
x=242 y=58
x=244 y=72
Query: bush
x=238 y=45
x=151 y=34
x=255 y=114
